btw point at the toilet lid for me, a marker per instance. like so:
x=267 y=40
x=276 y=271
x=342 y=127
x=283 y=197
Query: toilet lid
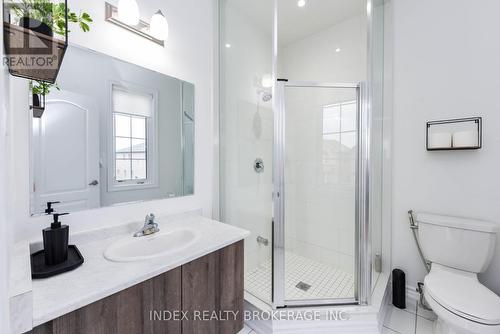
x=461 y=293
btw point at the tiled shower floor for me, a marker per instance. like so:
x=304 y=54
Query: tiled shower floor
x=326 y=282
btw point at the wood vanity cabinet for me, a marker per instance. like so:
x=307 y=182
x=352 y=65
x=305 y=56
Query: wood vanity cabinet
x=213 y=283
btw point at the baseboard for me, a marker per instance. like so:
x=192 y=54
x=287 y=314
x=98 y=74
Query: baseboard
x=258 y=326
x=325 y=327
x=411 y=293
x=313 y=327
x=386 y=302
x=412 y=299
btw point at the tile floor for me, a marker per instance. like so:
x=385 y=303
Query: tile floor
x=325 y=282
x=412 y=320
x=329 y=282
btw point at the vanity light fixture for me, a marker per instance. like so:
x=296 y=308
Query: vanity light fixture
x=156 y=31
x=128 y=12
x=159 y=26
x=228 y=46
x=301 y=3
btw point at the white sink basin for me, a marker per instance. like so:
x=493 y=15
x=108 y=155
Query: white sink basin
x=148 y=247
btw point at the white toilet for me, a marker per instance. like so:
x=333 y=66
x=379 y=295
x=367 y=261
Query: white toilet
x=459 y=249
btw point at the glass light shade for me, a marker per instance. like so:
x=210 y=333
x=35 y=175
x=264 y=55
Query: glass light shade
x=128 y=12
x=267 y=81
x=159 y=26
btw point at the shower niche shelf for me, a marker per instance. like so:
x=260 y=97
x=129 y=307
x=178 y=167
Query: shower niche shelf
x=454 y=134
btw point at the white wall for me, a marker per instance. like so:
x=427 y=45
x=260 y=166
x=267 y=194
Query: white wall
x=5 y=230
x=188 y=55
x=446 y=65
x=314 y=58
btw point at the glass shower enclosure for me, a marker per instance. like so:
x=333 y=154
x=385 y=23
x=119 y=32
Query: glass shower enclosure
x=300 y=147
x=317 y=204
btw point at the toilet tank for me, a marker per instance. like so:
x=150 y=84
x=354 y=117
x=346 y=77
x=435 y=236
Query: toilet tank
x=460 y=243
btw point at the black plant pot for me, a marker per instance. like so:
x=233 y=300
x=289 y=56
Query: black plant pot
x=36 y=101
x=38 y=105
x=36 y=26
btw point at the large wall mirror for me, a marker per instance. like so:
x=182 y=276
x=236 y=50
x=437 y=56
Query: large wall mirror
x=112 y=133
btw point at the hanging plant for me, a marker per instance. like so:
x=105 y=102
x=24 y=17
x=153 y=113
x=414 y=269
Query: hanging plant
x=45 y=17
x=41 y=87
x=48 y=18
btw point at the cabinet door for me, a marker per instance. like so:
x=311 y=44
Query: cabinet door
x=231 y=288
x=200 y=290
x=164 y=294
x=126 y=312
x=212 y=292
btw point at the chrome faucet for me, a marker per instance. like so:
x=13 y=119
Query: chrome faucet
x=150 y=227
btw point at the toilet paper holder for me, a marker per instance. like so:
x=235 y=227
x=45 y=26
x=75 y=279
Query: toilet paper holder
x=454 y=134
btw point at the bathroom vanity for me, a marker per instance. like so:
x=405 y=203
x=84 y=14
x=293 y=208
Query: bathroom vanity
x=196 y=287
x=202 y=296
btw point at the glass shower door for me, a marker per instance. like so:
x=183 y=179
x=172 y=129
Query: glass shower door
x=316 y=229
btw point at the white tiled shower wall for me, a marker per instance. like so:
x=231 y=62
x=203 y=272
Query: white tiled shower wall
x=321 y=221
x=320 y=203
x=246 y=130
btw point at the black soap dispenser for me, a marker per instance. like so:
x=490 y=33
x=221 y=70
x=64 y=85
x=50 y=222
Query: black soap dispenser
x=50 y=209
x=55 y=241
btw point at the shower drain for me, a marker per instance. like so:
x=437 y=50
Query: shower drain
x=303 y=286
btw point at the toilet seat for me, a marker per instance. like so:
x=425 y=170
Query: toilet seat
x=449 y=322
x=460 y=292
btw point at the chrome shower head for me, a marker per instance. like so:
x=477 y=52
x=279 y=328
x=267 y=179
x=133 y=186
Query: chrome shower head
x=266 y=97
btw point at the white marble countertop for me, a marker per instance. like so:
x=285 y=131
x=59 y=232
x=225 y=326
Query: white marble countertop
x=20 y=272
x=98 y=277
x=20 y=289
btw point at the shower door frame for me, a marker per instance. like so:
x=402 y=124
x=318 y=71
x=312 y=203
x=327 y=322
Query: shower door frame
x=362 y=272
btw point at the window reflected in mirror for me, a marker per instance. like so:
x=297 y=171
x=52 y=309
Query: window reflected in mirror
x=117 y=134
x=132 y=115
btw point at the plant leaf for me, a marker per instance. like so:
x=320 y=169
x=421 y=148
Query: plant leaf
x=53 y=14
x=85 y=27
x=87 y=17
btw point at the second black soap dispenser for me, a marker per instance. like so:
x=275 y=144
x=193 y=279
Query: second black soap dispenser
x=55 y=241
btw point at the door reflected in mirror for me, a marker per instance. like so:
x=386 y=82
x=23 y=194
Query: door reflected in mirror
x=112 y=133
